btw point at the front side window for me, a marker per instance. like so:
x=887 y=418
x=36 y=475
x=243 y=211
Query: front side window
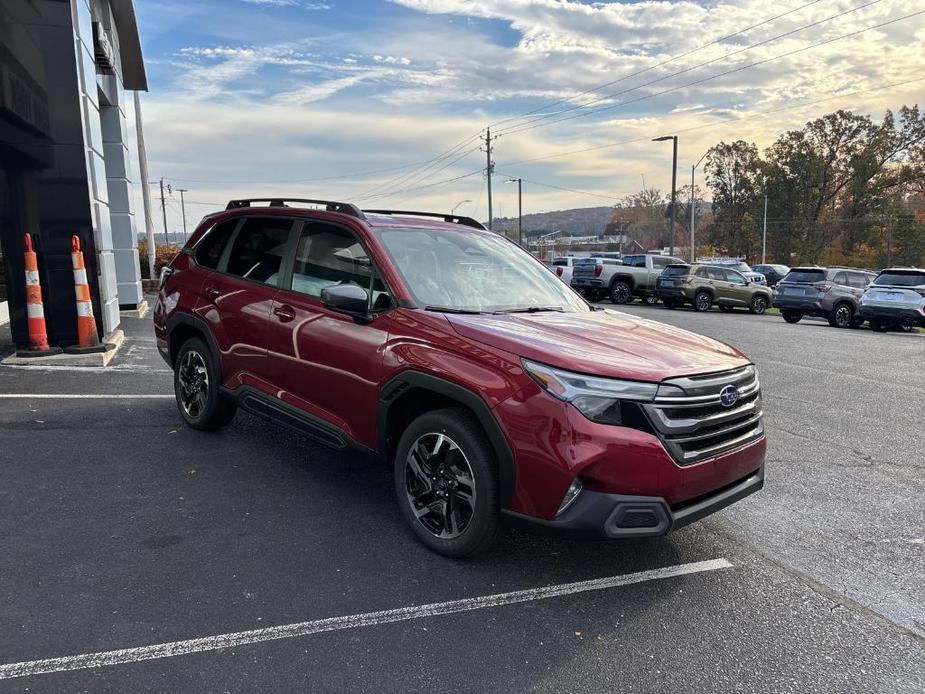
x=327 y=255
x=464 y=270
x=258 y=249
x=734 y=277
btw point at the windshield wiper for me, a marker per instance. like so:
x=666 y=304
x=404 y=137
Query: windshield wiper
x=533 y=309
x=450 y=309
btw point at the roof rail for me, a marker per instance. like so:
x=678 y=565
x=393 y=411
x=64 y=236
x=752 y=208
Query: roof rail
x=451 y=218
x=329 y=205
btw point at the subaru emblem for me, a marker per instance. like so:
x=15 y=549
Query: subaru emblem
x=729 y=395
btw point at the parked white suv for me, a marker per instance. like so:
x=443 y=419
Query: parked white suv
x=895 y=299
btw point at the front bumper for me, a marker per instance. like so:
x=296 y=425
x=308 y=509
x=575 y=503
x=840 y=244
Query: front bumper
x=892 y=313
x=611 y=516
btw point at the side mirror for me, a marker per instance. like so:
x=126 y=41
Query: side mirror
x=346 y=298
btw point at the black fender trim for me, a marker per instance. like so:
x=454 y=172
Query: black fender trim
x=201 y=326
x=409 y=380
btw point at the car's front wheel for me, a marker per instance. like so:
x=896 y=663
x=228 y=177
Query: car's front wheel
x=759 y=305
x=446 y=483
x=196 y=381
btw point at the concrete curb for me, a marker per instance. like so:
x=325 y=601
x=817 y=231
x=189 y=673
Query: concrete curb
x=115 y=338
x=139 y=312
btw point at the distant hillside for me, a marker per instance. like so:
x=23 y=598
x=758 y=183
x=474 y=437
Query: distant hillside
x=582 y=221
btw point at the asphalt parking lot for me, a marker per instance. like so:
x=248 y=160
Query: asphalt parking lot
x=252 y=559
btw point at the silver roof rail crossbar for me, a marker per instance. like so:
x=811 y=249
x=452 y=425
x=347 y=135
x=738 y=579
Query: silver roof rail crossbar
x=451 y=218
x=329 y=205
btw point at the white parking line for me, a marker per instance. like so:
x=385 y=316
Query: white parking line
x=84 y=396
x=318 y=626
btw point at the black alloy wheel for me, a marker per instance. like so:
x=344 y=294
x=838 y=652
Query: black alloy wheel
x=620 y=292
x=759 y=305
x=792 y=316
x=650 y=300
x=703 y=301
x=842 y=316
x=196 y=384
x=446 y=482
x=907 y=325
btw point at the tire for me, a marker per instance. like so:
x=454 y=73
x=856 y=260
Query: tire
x=669 y=304
x=907 y=325
x=725 y=308
x=594 y=295
x=196 y=382
x=759 y=304
x=792 y=316
x=444 y=460
x=650 y=300
x=842 y=316
x=703 y=301
x=620 y=292
x=878 y=325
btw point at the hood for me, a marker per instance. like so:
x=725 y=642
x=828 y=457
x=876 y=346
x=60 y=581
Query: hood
x=604 y=343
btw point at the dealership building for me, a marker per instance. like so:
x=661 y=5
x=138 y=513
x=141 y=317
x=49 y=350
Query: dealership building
x=66 y=160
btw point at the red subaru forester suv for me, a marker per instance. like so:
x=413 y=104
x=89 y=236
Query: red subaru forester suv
x=457 y=359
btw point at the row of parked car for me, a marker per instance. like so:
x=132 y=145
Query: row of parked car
x=846 y=297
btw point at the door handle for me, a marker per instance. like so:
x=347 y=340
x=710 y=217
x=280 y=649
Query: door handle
x=285 y=313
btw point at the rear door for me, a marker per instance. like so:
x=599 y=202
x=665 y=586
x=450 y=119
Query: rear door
x=239 y=298
x=328 y=364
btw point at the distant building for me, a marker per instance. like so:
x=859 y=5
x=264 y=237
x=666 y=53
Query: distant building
x=65 y=157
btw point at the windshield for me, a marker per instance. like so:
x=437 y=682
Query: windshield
x=901 y=279
x=471 y=271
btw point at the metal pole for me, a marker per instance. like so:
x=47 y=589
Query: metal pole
x=764 y=234
x=674 y=192
x=693 y=166
x=145 y=191
x=520 y=212
x=183 y=211
x=164 y=212
x=488 y=168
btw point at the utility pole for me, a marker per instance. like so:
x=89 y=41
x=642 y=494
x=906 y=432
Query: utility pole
x=764 y=233
x=164 y=212
x=520 y=209
x=693 y=169
x=489 y=170
x=145 y=191
x=183 y=210
x=674 y=185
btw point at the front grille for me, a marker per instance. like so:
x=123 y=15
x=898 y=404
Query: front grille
x=691 y=420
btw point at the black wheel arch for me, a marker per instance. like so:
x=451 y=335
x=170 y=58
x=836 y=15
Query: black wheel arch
x=183 y=326
x=624 y=278
x=411 y=393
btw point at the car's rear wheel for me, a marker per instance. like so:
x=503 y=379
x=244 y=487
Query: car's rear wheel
x=841 y=316
x=759 y=305
x=725 y=308
x=907 y=325
x=446 y=483
x=620 y=292
x=792 y=316
x=703 y=301
x=196 y=381
x=650 y=300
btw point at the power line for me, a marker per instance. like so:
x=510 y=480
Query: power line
x=718 y=75
x=658 y=65
x=411 y=182
x=570 y=190
x=764 y=114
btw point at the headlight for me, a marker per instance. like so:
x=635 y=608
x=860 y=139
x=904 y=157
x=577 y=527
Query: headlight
x=596 y=398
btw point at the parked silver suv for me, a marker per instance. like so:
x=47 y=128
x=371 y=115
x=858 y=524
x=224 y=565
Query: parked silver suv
x=895 y=299
x=833 y=293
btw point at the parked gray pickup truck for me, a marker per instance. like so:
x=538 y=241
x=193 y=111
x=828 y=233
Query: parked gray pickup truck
x=635 y=277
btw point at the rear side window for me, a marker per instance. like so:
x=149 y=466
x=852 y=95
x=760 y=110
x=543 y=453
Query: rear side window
x=661 y=262
x=560 y=262
x=635 y=260
x=901 y=279
x=676 y=271
x=858 y=280
x=840 y=278
x=258 y=249
x=209 y=250
x=805 y=276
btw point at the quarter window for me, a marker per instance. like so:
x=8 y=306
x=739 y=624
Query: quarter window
x=209 y=250
x=258 y=249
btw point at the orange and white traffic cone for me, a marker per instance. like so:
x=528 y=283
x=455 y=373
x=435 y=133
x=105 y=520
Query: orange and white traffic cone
x=87 y=337
x=35 y=311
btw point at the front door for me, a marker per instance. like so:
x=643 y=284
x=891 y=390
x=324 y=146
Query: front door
x=239 y=299
x=737 y=288
x=327 y=363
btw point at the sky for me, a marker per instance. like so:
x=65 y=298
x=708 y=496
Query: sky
x=383 y=103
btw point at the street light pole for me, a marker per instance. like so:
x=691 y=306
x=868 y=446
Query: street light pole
x=520 y=209
x=461 y=202
x=183 y=211
x=764 y=233
x=693 y=169
x=674 y=184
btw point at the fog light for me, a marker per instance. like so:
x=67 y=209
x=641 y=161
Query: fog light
x=573 y=491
